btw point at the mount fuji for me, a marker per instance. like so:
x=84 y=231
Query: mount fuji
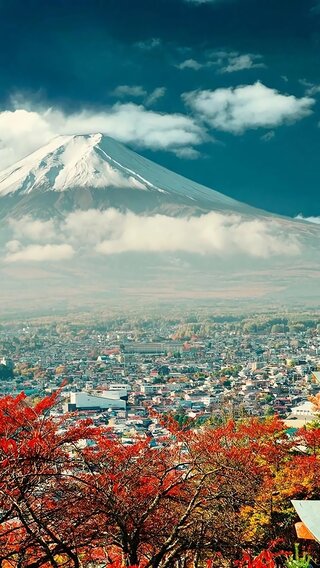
x=95 y=171
x=86 y=209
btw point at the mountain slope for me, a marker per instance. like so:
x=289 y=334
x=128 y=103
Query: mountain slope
x=80 y=224
x=95 y=171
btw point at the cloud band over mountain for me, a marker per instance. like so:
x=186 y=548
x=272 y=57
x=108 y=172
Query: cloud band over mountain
x=111 y=232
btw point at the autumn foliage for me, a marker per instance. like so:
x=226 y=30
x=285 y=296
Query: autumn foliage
x=72 y=495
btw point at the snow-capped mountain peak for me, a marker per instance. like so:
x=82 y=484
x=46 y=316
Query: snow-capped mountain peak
x=74 y=172
x=65 y=163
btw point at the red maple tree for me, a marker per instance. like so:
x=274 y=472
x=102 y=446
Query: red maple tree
x=189 y=501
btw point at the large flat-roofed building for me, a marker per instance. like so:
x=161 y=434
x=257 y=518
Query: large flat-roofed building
x=117 y=400
x=151 y=348
x=119 y=386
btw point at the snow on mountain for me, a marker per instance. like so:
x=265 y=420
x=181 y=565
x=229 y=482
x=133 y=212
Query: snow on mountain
x=66 y=162
x=81 y=201
x=94 y=162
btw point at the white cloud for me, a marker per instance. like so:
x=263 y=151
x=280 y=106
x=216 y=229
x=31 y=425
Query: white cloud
x=314 y=90
x=33 y=229
x=247 y=106
x=155 y=95
x=268 y=136
x=187 y=153
x=310 y=88
x=226 y=61
x=39 y=253
x=13 y=246
x=112 y=232
x=149 y=44
x=241 y=62
x=129 y=91
x=23 y=131
x=315 y=220
x=89 y=227
x=133 y=123
x=213 y=233
x=190 y=64
x=137 y=91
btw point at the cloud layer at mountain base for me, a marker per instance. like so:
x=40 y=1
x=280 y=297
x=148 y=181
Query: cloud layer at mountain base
x=110 y=232
x=38 y=253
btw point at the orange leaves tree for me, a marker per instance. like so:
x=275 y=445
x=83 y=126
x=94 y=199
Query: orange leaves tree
x=144 y=498
x=42 y=518
x=291 y=467
x=201 y=494
x=178 y=503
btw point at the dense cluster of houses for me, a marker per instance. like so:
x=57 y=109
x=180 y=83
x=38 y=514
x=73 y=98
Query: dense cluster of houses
x=118 y=376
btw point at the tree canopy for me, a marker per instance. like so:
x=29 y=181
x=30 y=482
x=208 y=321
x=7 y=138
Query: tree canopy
x=73 y=495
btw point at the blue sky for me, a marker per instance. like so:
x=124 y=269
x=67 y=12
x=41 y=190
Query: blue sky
x=225 y=92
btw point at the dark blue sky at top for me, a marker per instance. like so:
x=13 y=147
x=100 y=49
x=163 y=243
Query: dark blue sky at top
x=74 y=53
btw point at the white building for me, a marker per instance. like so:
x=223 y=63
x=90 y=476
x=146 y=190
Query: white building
x=119 y=386
x=303 y=410
x=149 y=389
x=301 y=415
x=107 y=399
